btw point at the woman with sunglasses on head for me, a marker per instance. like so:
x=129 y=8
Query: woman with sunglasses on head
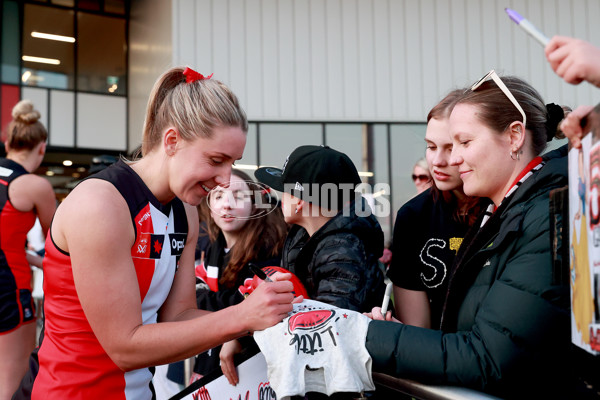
x=421 y=176
x=429 y=229
x=505 y=323
x=119 y=265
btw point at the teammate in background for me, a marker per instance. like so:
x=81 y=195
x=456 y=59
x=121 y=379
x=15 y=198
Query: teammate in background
x=23 y=197
x=119 y=287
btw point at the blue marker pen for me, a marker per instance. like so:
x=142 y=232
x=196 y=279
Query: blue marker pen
x=527 y=26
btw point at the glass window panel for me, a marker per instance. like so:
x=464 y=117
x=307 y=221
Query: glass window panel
x=101 y=122
x=381 y=175
x=101 y=54
x=65 y=3
x=114 y=6
x=348 y=138
x=9 y=97
x=248 y=161
x=277 y=141
x=249 y=157
x=407 y=146
x=62 y=118
x=93 y=5
x=10 y=43
x=380 y=154
x=54 y=21
x=39 y=98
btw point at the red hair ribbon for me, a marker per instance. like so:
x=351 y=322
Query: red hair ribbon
x=193 y=76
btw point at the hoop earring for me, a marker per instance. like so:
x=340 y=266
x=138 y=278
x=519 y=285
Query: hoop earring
x=297 y=209
x=517 y=154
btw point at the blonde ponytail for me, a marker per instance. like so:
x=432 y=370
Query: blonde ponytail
x=194 y=108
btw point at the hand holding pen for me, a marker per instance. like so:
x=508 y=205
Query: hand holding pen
x=382 y=314
x=574 y=60
x=527 y=26
x=277 y=276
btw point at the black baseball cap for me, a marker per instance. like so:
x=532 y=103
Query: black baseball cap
x=307 y=168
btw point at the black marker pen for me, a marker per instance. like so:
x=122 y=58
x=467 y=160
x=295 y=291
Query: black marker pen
x=259 y=272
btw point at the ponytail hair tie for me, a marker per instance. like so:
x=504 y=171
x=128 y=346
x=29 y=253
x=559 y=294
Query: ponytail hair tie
x=193 y=76
x=555 y=115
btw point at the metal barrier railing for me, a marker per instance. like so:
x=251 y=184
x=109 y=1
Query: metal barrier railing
x=428 y=392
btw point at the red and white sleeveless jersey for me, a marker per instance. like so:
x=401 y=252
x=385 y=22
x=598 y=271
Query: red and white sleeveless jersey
x=15 y=272
x=73 y=364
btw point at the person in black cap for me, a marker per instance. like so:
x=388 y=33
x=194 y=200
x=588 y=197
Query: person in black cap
x=335 y=241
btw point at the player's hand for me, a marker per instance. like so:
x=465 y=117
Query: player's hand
x=268 y=304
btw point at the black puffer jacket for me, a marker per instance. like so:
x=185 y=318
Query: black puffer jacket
x=505 y=327
x=339 y=264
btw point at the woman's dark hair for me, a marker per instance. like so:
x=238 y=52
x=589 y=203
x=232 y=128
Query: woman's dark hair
x=260 y=237
x=497 y=112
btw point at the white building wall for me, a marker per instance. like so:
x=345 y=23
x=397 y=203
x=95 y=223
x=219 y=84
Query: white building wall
x=371 y=60
x=150 y=54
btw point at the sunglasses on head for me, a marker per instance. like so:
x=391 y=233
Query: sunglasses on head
x=420 y=177
x=492 y=74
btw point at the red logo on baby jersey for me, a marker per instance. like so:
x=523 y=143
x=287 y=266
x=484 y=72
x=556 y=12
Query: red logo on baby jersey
x=309 y=320
x=309 y=331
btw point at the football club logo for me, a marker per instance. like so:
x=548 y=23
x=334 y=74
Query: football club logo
x=312 y=330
